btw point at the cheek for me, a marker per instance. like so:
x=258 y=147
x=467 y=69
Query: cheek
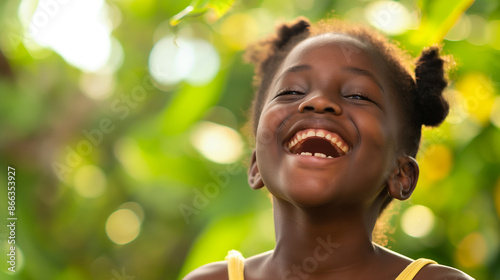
x=378 y=144
x=269 y=122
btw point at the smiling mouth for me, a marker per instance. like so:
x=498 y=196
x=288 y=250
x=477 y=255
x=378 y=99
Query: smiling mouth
x=318 y=143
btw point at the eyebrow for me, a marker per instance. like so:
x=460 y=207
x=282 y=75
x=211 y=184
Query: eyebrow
x=296 y=68
x=364 y=72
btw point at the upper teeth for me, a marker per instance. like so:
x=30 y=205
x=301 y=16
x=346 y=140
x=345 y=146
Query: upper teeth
x=330 y=136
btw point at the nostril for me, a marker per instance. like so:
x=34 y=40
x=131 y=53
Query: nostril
x=330 y=110
x=308 y=108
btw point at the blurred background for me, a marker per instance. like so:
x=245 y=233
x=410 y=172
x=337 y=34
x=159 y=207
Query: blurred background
x=124 y=121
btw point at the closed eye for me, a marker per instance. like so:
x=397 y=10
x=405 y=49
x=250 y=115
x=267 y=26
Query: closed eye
x=289 y=92
x=358 y=96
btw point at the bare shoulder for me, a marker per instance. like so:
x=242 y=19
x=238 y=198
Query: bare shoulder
x=441 y=272
x=211 y=271
x=428 y=272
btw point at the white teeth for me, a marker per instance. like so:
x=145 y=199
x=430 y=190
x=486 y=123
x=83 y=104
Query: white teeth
x=332 y=137
x=344 y=148
x=306 y=154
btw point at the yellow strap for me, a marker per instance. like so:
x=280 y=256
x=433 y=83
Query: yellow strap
x=235 y=265
x=412 y=269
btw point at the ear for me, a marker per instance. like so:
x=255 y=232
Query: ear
x=403 y=179
x=254 y=179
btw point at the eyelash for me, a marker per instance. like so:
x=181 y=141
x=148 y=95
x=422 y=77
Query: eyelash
x=355 y=96
x=289 y=92
x=359 y=96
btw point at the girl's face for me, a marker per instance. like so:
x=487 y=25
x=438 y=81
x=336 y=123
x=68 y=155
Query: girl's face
x=328 y=129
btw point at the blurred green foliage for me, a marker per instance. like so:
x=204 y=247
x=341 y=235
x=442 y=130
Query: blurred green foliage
x=86 y=144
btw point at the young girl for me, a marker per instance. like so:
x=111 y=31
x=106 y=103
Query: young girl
x=337 y=119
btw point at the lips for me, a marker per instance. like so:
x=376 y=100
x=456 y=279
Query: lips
x=317 y=142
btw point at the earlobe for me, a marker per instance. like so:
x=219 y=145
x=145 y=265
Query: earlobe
x=254 y=179
x=403 y=180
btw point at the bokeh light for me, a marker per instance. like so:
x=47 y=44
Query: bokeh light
x=436 y=161
x=482 y=33
x=97 y=86
x=128 y=152
x=216 y=142
x=495 y=112
x=417 y=221
x=239 y=30
x=89 y=181
x=123 y=226
x=495 y=32
x=477 y=92
x=389 y=16
x=176 y=59
x=497 y=197
x=472 y=250
x=77 y=30
x=460 y=30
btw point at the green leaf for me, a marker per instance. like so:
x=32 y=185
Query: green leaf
x=438 y=17
x=189 y=105
x=198 y=8
x=220 y=7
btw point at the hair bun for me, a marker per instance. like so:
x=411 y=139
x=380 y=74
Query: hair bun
x=430 y=83
x=288 y=31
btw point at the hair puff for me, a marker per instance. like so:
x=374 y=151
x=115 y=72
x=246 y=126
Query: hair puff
x=430 y=84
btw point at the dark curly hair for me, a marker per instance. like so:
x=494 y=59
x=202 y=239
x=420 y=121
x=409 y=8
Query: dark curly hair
x=420 y=94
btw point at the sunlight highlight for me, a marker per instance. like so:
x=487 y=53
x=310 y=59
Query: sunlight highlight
x=89 y=181
x=130 y=155
x=436 y=162
x=417 y=221
x=495 y=112
x=389 y=16
x=472 y=250
x=497 y=197
x=460 y=31
x=123 y=226
x=239 y=30
x=173 y=60
x=482 y=32
x=477 y=93
x=78 y=30
x=216 y=142
x=97 y=86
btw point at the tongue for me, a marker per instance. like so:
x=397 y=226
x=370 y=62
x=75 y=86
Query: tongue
x=316 y=145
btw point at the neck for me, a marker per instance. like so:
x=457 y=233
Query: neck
x=309 y=242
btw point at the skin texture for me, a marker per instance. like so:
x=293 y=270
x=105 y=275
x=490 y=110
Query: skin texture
x=325 y=209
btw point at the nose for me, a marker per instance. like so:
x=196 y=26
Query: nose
x=319 y=103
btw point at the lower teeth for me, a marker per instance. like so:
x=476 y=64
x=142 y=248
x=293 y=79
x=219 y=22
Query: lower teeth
x=321 y=155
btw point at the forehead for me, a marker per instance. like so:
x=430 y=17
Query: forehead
x=333 y=48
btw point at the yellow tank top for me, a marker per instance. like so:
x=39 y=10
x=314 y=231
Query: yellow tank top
x=236 y=262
